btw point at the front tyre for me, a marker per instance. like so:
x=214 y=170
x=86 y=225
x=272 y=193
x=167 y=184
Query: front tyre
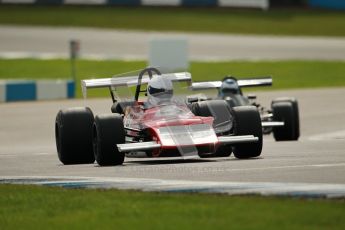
x=223 y=120
x=73 y=135
x=286 y=109
x=108 y=131
x=247 y=122
x=223 y=151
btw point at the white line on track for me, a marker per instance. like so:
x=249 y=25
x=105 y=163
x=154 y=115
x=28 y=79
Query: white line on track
x=50 y=56
x=24 y=154
x=158 y=185
x=42 y=154
x=221 y=169
x=290 y=166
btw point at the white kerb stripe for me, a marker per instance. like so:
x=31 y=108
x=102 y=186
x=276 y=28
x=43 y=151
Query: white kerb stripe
x=263 y=4
x=48 y=90
x=2 y=91
x=86 y=2
x=159 y=185
x=161 y=2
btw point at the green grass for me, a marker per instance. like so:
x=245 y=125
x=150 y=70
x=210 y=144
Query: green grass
x=286 y=74
x=222 y=20
x=61 y=69
x=32 y=207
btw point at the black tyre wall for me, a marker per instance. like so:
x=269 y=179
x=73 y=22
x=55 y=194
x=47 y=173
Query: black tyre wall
x=108 y=131
x=73 y=135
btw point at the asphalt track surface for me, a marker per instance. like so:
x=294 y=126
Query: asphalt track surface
x=27 y=149
x=53 y=42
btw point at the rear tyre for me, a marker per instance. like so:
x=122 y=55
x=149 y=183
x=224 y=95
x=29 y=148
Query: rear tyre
x=247 y=122
x=223 y=121
x=292 y=120
x=108 y=131
x=73 y=136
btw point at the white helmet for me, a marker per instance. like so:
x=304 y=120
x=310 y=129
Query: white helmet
x=159 y=90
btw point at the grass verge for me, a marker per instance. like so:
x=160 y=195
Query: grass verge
x=220 y=20
x=29 y=207
x=286 y=74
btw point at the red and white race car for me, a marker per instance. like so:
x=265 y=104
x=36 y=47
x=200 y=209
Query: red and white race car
x=163 y=125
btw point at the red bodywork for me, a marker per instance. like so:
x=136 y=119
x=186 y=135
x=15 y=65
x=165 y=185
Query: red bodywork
x=171 y=117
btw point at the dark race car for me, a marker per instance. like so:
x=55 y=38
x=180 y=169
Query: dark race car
x=154 y=122
x=282 y=118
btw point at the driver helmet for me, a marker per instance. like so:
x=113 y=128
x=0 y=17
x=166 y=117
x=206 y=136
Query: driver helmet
x=159 y=90
x=229 y=86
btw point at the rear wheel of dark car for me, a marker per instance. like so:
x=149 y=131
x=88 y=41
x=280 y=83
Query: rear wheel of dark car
x=223 y=119
x=286 y=109
x=108 y=131
x=247 y=122
x=73 y=135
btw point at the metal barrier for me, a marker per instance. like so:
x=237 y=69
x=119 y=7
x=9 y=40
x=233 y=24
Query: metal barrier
x=23 y=90
x=331 y=4
x=261 y=4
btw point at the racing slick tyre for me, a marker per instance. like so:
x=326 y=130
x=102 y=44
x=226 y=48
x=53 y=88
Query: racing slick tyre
x=73 y=135
x=295 y=118
x=284 y=111
x=247 y=122
x=221 y=111
x=108 y=131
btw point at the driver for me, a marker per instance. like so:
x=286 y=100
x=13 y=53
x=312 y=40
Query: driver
x=229 y=86
x=159 y=90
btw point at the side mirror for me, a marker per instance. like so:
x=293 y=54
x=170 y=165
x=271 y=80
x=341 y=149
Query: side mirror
x=251 y=96
x=192 y=99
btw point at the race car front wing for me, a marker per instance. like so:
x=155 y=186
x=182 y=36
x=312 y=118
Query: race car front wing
x=150 y=145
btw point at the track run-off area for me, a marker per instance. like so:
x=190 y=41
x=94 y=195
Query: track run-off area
x=53 y=42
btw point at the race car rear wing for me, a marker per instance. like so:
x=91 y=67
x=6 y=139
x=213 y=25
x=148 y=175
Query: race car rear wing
x=253 y=82
x=129 y=81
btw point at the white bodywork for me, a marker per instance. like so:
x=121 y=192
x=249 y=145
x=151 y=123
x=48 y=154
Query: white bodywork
x=129 y=81
x=241 y=83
